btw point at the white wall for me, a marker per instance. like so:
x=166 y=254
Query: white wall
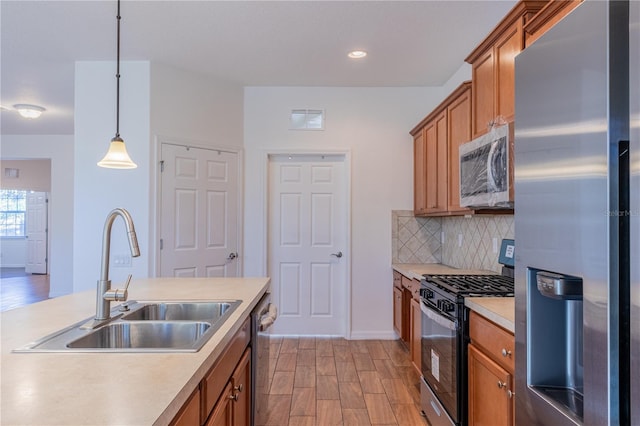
x=463 y=74
x=193 y=107
x=13 y=252
x=374 y=124
x=99 y=190
x=58 y=148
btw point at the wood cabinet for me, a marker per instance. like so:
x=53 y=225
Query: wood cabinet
x=407 y=320
x=436 y=165
x=233 y=407
x=547 y=17
x=397 y=309
x=223 y=397
x=491 y=368
x=493 y=68
x=189 y=415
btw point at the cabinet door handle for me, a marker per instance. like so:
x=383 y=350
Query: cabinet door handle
x=501 y=385
x=505 y=352
x=511 y=393
x=239 y=388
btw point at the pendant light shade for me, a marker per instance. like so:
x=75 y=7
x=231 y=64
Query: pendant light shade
x=117 y=156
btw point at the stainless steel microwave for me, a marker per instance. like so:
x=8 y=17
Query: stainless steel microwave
x=484 y=170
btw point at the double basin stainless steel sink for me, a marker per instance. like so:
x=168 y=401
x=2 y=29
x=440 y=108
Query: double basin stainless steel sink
x=146 y=326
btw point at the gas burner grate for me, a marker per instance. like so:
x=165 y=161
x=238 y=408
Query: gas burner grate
x=497 y=285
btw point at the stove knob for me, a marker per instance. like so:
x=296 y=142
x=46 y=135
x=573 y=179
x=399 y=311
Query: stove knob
x=426 y=293
x=447 y=306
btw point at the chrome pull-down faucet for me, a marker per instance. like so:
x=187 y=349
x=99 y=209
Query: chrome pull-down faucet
x=105 y=294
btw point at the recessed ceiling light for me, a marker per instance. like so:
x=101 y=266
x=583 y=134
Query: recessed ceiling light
x=357 y=54
x=29 y=111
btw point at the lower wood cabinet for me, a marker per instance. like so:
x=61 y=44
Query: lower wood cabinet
x=223 y=397
x=491 y=368
x=407 y=315
x=234 y=405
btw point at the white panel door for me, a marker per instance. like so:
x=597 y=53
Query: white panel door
x=308 y=225
x=199 y=212
x=36 y=230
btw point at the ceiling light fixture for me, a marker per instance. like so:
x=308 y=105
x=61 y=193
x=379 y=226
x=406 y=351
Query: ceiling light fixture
x=117 y=156
x=29 y=111
x=357 y=54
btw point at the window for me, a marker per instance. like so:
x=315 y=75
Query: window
x=13 y=206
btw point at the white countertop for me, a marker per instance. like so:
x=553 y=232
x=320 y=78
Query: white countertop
x=110 y=388
x=500 y=310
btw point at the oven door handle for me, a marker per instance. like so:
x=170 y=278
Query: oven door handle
x=439 y=319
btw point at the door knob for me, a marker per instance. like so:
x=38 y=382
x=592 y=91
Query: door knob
x=338 y=254
x=232 y=256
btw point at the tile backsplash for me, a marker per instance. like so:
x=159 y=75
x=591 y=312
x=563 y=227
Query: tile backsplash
x=461 y=242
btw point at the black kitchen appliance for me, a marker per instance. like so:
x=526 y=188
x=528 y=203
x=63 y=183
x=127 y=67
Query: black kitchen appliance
x=445 y=336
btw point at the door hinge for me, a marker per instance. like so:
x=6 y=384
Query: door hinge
x=161 y=166
x=161 y=243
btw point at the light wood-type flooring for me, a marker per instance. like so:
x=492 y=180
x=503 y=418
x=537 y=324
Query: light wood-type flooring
x=18 y=288
x=331 y=381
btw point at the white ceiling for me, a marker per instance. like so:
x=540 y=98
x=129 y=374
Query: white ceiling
x=251 y=43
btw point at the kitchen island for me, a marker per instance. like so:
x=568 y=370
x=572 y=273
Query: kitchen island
x=111 y=388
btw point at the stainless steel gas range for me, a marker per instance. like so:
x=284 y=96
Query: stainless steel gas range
x=445 y=336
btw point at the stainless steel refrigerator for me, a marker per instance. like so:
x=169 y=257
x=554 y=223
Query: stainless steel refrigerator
x=577 y=220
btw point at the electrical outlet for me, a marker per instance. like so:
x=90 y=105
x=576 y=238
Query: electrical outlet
x=121 y=261
x=459 y=240
x=495 y=245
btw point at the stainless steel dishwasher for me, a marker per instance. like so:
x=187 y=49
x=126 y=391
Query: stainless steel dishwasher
x=262 y=317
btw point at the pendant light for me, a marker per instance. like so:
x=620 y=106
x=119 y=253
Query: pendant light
x=117 y=156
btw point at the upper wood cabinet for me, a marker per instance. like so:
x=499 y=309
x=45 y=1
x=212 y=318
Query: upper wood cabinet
x=493 y=68
x=547 y=17
x=436 y=165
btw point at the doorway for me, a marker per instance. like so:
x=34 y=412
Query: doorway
x=308 y=242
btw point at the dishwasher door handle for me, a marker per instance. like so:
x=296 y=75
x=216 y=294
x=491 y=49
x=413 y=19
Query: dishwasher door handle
x=269 y=318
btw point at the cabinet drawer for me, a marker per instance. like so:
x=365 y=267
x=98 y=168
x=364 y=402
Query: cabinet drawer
x=498 y=343
x=407 y=282
x=215 y=382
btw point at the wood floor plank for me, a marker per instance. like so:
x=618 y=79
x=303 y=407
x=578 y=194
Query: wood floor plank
x=358 y=385
x=303 y=402
x=289 y=345
x=306 y=357
x=282 y=383
x=396 y=391
x=346 y=371
x=363 y=361
x=302 y=421
x=370 y=382
x=306 y=342
x=329 y=412
x=355 y=417
x=379 y=409
x=324 y=347
x=327 y=387
x=286 y=362
x=325 y=366
x=20 y=289
x=342 y=353
x=386 y=369
x=351 y=395
x=408 y=415
x=376 y=350
x=278 y=413
x=305 y=377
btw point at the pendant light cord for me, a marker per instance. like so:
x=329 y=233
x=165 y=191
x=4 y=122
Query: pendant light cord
x=118 y=75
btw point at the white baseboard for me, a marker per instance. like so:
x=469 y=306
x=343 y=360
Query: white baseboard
x=374 y=335
x=367 y=335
